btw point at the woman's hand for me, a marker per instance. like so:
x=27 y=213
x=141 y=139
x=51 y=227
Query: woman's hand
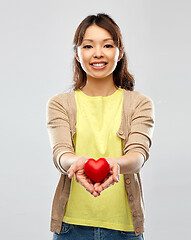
x=77 y=168
x=111 y=178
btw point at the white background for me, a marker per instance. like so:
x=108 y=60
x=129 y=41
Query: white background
x=36 y=63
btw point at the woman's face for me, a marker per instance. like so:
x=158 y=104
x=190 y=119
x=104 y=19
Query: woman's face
x=98 y=47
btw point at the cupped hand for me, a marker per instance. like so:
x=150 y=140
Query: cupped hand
x=111 y=178
x=77 y=168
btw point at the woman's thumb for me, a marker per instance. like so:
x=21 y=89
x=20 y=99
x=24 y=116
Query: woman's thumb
x=71 y=171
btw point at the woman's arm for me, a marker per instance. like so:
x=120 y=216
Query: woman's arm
x=67 y=159
x=130 y=162
x=138 y=143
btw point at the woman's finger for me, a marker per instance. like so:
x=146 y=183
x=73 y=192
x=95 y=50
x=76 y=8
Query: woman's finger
x=84 y=182
x=70 y=173
x=97 y=184
x=96 y=194
x=108 y=181
x=72 y=170
x=116 y=172
x=105 y=184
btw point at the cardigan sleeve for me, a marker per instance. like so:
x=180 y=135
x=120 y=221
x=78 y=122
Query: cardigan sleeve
x=57 y=123
x=141 y=127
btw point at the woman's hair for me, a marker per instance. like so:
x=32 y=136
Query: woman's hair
x=122 y=78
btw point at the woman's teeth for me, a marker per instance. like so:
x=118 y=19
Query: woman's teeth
x=99 y=64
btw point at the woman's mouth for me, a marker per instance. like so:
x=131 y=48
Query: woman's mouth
x=98 y=66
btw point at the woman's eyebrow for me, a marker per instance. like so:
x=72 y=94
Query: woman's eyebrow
x=103 y=40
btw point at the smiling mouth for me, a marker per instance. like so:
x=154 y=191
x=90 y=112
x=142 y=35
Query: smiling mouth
x=98 y=64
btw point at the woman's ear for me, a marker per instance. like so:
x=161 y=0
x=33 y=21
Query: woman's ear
x=77 y=57
x=120 y=57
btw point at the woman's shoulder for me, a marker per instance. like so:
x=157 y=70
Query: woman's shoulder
x=137 y=100
x=136 y=96
x=61 y=97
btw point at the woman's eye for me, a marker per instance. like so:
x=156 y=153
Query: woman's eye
x=108 y=45
x=87 y=46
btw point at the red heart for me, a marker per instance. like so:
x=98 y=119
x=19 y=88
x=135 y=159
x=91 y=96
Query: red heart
x=96 y=170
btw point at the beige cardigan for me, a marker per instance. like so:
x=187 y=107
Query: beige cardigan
x=136 y=130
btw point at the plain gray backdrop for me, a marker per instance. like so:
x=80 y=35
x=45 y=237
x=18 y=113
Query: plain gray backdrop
x=36 y=63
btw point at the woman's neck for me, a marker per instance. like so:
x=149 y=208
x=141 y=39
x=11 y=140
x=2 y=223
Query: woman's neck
x=99 y=88
x=99 y=91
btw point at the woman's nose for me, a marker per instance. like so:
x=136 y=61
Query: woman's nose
x=98 y=52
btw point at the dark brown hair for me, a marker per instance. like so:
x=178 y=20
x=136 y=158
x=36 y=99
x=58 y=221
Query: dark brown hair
x=122 y=78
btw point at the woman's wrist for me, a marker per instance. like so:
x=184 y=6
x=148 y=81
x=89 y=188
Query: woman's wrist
x=67 y=159
x=130 y=162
